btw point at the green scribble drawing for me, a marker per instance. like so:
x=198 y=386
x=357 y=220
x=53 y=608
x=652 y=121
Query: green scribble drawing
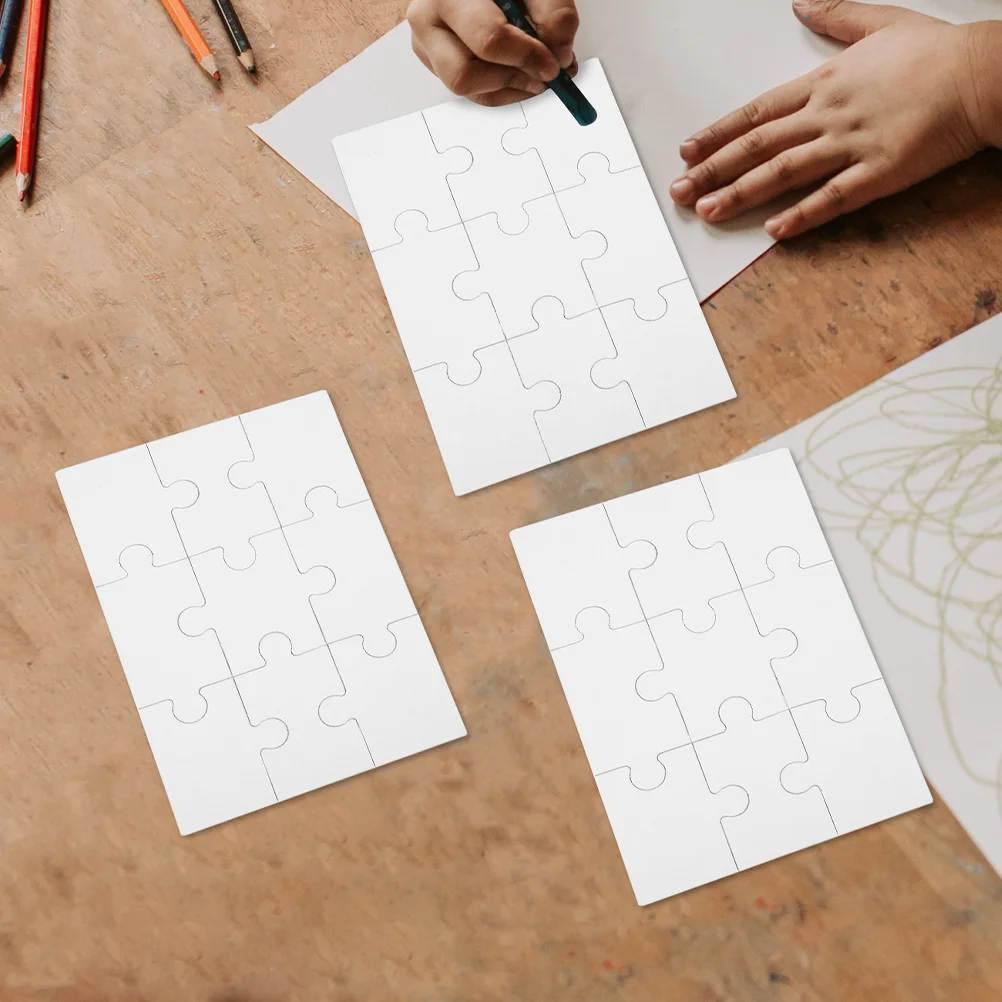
x=916 y=467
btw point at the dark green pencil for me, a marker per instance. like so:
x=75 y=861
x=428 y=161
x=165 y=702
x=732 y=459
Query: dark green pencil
x=7 y=146
x=236 y=34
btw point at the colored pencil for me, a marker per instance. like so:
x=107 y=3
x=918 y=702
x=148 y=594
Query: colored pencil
x=31 y=95
x=9 y=14
x=185 y=24
x=236 y=33
x=7 y=145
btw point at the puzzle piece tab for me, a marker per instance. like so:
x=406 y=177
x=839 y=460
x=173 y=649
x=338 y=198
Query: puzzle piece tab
x=680 y=577
x=435 y=325
x=291 y=688
x=563 y=352
x=672 y=364
x=517 y=270
x=269 y=596
x=487 y=429
x=671 y=838
x=212 y=769
x=385 y=183
x=298 y=445
x=640 y=258
x=599 y=676
x=496 y=181
x=574 y=562
x=764 y=492
x=401 y=702
x=369 y=590
x=751 y=754
x=546 y=132
x=160 y=662
x=119 y=501
x=223 y=516
x=865 y=767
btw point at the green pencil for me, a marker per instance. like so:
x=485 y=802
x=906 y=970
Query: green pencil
x=7 y=145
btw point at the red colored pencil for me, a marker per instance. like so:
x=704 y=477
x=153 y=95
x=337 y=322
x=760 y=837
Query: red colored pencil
x=31 y=95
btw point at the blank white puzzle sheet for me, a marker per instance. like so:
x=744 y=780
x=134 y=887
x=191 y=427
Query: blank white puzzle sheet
x=266 y=632
x=727 y=699
x=538 y=294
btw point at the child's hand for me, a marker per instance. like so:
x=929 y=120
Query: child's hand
x=470 y=45
x=909 y=97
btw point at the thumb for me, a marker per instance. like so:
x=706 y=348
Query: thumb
x=848 y=21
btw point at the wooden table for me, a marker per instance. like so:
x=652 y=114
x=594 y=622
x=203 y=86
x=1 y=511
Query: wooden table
x=171 y=271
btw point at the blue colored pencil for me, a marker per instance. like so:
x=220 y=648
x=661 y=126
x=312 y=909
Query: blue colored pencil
x=9 y=16
x=562 y=85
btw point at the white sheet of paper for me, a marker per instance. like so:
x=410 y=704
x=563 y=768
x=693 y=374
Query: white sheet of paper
x=509 y=291
x=264 y=627
x=675 y=68
x=906 y=478
x=727 y=700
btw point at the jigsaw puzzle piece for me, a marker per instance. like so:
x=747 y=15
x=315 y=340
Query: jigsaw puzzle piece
x=496 y=181
x=680 y=577
x=751 y=754
x=119 y=501
x=369 y=590
x=435 y=325
x=393 y=167
x=517 y=270
x=561 y=142
x=573 y=562
x=486 y=430
x=290 y=688
x=212 y=769
x=298 y=445
x=641 y=258
x=671 y=838
x=832 y=654
x=401 y=702
x=160 y=662
x=563 y=351
x=617 y=727
x=269 y=596
x=672 y=364
x=223 y=516
x=865 y=767
x=758 y=505
x=704 y=669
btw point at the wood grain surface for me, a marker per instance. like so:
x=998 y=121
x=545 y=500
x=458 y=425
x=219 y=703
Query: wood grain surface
x=169 y=271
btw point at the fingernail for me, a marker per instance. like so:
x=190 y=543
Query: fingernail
x=774 y=227
x=802 y=9
x=688 y=149
x=683 y=190
x=566 y=57
x=707 y=206
x=535 y=86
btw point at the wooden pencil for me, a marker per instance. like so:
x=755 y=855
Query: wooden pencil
x=31 y=95
x=185 y=24
x=8 y=31
x=8 y=144
x=236 y=33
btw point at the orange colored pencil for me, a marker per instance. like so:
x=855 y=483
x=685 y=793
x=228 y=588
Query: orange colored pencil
x=31 y=94
x=189 y=32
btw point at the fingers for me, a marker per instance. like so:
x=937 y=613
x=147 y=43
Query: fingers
x=849 y=190
x=557 y=23
x=778 y=103
x=742 y=155
x=463 y=73
x=849 y=22
x=791 y=169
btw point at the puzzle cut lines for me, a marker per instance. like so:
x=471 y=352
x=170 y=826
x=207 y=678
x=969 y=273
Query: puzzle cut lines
x=726 y=697
x=552 y=241
x=237 y=664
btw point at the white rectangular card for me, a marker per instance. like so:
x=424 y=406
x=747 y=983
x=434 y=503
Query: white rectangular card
x=266 y=632
x=726 y=697
x=536 y=288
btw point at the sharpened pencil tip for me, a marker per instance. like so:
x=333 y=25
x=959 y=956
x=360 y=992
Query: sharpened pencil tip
x=23 y=183
x=208 y=63
x=247 y=61
x=3 y=69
